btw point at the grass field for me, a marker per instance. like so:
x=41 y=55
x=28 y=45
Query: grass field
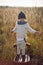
x=8 y=18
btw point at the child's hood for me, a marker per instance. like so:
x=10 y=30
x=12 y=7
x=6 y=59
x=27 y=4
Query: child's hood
x=21 y=23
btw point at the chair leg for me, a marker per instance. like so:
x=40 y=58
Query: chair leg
x=17 y=57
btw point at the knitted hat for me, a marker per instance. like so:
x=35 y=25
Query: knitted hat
x=21 y=15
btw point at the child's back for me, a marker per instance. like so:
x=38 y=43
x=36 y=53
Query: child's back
x=21 y=28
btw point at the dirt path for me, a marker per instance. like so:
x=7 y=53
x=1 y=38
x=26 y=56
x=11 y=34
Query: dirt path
x=7 y=62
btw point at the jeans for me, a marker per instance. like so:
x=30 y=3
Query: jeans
x=21 y=45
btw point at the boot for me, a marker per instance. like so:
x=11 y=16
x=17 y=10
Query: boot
x=23 y=58
x=17 y=58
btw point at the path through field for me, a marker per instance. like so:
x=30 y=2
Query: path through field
x=7 y=62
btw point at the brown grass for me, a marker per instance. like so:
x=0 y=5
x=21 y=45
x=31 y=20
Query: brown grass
x=8 y=18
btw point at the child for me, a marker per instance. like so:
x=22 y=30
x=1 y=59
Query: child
x=21 y=27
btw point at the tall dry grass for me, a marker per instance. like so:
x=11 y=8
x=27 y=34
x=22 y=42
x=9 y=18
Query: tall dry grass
x=8 y=18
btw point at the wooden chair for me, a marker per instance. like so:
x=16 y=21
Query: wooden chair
x=27 y=48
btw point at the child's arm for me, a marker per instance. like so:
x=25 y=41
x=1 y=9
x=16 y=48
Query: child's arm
x=32 y=30
x=15 y=28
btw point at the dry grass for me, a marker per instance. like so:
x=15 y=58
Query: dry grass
x=8 y=18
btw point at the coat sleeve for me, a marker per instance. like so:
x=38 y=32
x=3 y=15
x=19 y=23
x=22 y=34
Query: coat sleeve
x=15 y=28
x=30 y=29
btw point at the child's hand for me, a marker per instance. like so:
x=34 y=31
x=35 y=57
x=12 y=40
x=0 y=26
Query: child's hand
x=37 y=33
x=12 y=30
